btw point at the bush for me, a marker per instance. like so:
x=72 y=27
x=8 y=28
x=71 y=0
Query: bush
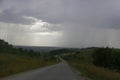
x=107 y=57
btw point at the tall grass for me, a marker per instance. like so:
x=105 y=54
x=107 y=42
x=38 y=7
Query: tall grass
x=95 y=73
x=12 y=64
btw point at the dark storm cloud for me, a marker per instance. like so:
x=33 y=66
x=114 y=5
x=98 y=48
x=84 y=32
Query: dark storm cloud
x=112 y=22
x=1 y=1
x=95 y=13
x=10 y=16
x=83 y=22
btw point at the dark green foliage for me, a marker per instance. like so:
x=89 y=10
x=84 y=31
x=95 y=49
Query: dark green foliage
x=5 y=47
x=80 y=56
x=100 y=56
x=107 y=57
x=62 y=51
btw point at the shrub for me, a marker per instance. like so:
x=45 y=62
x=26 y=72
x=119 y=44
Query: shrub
x=107 y=57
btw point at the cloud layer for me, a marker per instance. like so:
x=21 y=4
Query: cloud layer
x=73 y=23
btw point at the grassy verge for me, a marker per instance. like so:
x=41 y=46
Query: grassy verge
x=95 y=73
x=82 y=62
x=12 y=64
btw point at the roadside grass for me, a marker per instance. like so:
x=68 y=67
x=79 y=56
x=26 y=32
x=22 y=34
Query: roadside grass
x=95 y=73
x=82 y=62
x=12 y=64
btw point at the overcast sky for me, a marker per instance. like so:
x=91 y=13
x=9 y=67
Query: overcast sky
x=61 y=23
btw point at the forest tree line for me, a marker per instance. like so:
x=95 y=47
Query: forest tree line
x=5 y=47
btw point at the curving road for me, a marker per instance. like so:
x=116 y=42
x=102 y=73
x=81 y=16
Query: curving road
x=59 y=71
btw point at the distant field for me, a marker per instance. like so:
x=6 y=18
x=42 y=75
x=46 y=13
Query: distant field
x=12 y=64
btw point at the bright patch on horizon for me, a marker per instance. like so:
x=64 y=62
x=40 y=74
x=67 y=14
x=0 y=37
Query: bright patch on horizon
x=49 y=33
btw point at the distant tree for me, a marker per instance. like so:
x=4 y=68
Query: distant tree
x=101 y=57
x=5 y=47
